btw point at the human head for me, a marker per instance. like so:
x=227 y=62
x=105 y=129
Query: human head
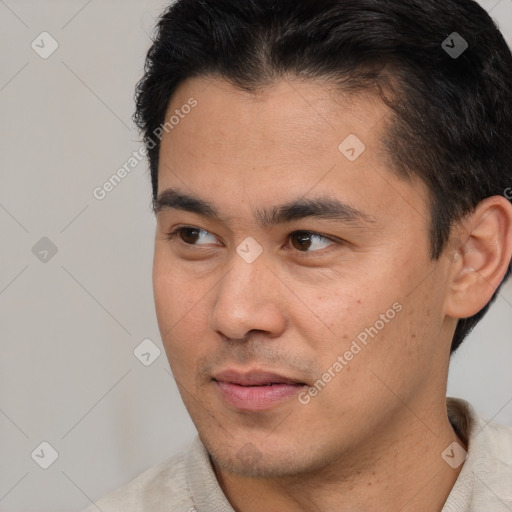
x=452 y=123
x=262 y=158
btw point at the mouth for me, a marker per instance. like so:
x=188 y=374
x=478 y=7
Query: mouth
x=256 y=390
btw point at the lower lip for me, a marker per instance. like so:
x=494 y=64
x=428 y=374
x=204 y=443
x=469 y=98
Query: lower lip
x=257 y=398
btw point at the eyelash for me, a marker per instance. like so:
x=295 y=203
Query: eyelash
x=172 y=235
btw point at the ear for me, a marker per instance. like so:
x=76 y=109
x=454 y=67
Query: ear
x=480 y=251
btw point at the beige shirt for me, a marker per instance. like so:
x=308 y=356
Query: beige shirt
x=186 y=482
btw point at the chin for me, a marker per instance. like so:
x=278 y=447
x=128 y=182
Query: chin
x=248 y=460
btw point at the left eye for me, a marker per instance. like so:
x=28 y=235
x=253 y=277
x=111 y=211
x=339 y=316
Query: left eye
x=305 y=240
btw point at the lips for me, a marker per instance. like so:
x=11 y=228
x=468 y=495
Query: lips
x=254 y=378
x=255 y=391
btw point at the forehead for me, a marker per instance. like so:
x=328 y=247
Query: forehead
x=292 y=115
x=295 y=137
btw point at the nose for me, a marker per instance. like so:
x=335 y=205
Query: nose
x=249 y=298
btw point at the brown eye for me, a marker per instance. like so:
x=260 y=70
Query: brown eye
x=304 y=240
x=189 y=235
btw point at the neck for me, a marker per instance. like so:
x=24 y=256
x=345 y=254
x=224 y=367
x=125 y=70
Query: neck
x=401 y=469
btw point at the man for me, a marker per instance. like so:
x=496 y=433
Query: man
x=330 y=185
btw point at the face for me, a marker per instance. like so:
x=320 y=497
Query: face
x=294 y=292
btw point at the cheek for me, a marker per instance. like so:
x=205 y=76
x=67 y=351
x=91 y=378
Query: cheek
x=174 y=293
x=181 y=309
x=348 y=313
x=166 y=300
x=367 y=324
x=397 y=345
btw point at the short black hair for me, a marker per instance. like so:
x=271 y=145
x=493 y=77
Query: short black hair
x=452 y=112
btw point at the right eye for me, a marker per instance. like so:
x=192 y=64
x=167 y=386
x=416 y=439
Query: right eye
x=189 y=235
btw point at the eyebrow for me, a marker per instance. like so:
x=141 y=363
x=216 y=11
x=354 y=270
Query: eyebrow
x=323 y=207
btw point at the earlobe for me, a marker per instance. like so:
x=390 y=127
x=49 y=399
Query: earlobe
x=480 y=253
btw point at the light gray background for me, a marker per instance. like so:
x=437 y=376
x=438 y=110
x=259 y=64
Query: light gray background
x=69 y=326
